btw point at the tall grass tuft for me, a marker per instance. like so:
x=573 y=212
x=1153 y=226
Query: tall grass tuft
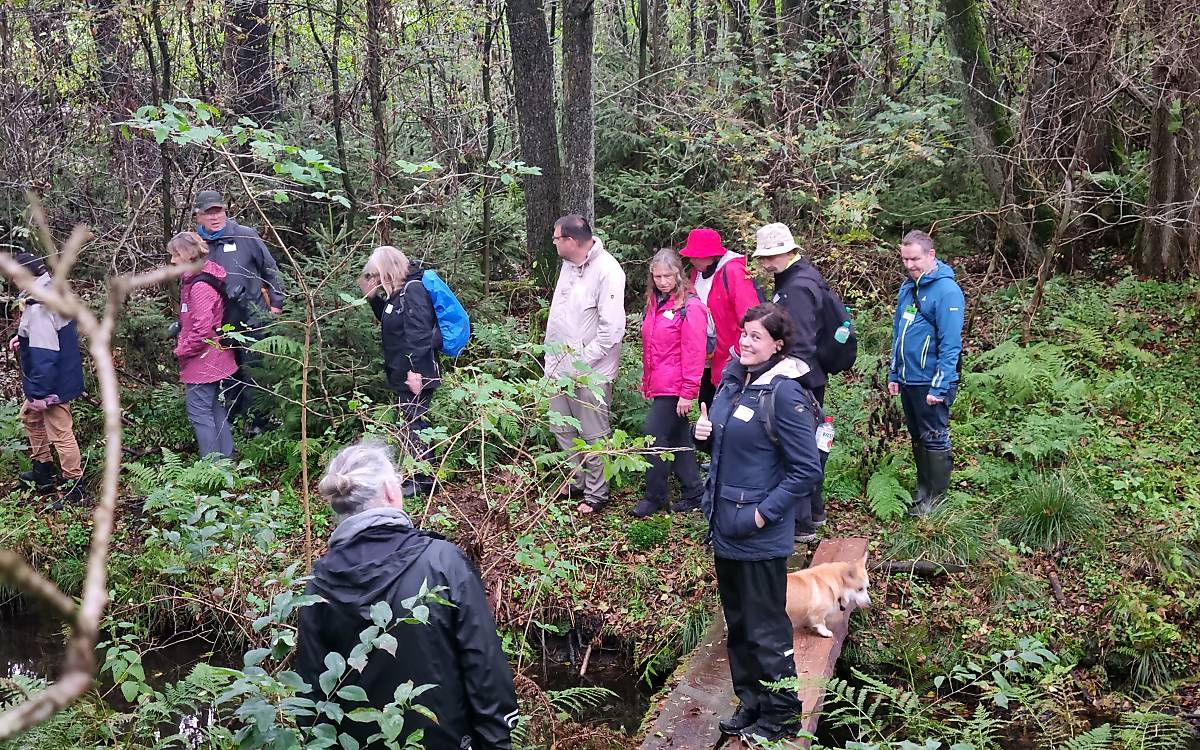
x=1048 y=510
x=955 y=533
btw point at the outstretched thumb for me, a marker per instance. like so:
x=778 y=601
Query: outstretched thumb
x=703 y=410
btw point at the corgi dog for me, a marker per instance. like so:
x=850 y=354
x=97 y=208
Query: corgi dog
x=816 y=593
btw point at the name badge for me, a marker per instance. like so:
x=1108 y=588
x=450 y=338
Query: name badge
x=387 y=310
x=910 y=313
x=669 y=315
x=230 y=247
x=743 y=413
x=183 y=307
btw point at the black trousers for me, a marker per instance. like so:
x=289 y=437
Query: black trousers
x=754 y=597
x=671 y=431
x=815 y=507
x=413 y=417
x=240 y=387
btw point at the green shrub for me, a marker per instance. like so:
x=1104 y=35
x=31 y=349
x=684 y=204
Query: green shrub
x=1048 y=510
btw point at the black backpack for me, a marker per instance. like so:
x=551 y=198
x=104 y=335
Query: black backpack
x=766 y=410
x=233 y=314
x=833 y=357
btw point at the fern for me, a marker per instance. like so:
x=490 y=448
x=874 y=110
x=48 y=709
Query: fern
x=579 y=698
x=1099 y=738
x=1149 y=730
x=886 y=496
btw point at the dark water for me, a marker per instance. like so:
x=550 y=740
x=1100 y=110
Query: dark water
x=32 y=646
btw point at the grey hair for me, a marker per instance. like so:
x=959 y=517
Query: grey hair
x=918 y=238
x=356 y=476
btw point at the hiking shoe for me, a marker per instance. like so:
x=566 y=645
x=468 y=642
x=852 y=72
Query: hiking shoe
x=819 y=521
x=765 y=730
x=803 y=536
x=686 y=505
x=742 y=718
x=646 y=508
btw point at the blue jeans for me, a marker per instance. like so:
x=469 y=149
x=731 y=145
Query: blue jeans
x=929 y=424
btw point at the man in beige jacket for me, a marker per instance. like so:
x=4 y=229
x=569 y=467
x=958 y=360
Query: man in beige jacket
x=587 y=321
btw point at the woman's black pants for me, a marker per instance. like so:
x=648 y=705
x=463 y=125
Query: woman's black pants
x=754 y=597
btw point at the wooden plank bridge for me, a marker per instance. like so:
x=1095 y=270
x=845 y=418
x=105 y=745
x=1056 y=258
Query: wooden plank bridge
x=687 y=718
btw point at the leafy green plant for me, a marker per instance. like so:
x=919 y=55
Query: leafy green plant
x=885 y=494
x=1049 y=509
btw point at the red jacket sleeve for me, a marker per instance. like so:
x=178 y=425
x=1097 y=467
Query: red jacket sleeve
x=693 y=347
x=205 y=310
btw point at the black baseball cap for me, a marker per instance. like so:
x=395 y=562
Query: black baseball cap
x=32 y=263
x=207 y=199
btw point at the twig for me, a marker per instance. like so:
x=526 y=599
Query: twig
x=918 y=567
x=1056 y=587
x=17 y=573
x=587 y=655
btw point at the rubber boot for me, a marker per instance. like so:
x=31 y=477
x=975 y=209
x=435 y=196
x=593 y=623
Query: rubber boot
x=938 y=466
x=921 y=498
x=75 y=493
x=41 y=475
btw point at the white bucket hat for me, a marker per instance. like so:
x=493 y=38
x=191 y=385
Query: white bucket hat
x=774 y=239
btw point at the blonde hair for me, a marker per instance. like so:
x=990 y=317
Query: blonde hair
x=669 y=258
x=188 y=246
x=391 y=265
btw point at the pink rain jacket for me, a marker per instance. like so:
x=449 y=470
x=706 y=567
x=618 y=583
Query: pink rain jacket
x=673 y=348
x=201 y=358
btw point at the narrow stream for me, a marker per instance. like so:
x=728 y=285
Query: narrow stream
x=31 y=646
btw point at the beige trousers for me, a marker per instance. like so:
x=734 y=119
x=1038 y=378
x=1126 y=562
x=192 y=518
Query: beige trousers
x=53 y=427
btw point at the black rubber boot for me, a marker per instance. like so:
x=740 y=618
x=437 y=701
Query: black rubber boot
x=920 y=501
x=686 y=505
x=75 y=493
x=41 y=475
x=939 y=464
x=766 y=730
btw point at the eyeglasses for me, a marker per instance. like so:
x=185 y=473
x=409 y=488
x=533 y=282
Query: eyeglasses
x=558 y=237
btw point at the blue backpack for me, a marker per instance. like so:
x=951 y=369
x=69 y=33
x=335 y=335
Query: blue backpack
x=452 y=318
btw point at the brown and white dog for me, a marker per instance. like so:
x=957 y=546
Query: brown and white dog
x=821 y=591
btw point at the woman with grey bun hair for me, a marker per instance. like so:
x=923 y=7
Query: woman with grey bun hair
x=376 y=555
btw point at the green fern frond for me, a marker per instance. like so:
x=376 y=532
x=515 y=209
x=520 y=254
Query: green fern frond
x=1149 y=730
x=579 y=698
x=885 y=494
x=1098 y=738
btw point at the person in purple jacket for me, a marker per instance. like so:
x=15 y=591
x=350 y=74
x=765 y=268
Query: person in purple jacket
x=674 y=338
x=203 y=361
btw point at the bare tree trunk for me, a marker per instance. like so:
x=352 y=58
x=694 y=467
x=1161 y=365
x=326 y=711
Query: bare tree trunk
x=1171 y=222
x=248 y=37
x=489 y=33
x=378 y=98
x=115 y=86
x=164 y=153
x=988 y=118
x=534 y=100
x=579 y=125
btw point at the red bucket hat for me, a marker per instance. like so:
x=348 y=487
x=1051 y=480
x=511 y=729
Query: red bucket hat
x=703 y=243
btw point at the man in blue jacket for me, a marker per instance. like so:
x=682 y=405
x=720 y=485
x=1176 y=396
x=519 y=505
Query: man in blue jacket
x=926 y=343
x=52 y=376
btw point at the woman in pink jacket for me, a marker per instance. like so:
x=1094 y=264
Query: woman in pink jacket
x=203 y=361
x=674 y=336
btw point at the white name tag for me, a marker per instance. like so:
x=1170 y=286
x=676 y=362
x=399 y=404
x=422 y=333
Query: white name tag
x=230 y=247
x=909 y=317
x=743 y=413
x=183 y=307
x=387 y=310
x=669 y=315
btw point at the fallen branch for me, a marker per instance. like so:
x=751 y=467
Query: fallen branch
x=918 y=567
x=1056 y=587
